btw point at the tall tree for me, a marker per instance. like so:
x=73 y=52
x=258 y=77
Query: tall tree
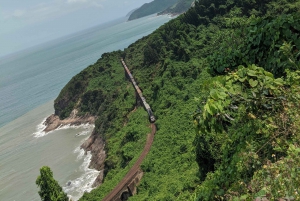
x=50 y=190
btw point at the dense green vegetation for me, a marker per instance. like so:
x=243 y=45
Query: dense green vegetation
x=232 y=67
x=179 y=7
x=50 y=190
x=151 y=8
x=124 y=148
x=248 y=163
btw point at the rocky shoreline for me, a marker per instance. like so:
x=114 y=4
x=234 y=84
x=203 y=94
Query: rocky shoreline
x=94 y=143
x=53 y=121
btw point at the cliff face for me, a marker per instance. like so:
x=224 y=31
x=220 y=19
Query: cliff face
x=95 y=144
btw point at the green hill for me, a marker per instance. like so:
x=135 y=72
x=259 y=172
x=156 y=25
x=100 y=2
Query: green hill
x=179 y=7
x=151 y=8
x=223 y=81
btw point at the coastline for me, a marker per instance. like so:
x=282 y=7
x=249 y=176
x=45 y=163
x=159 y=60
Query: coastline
x=53 y=121
x=94 y=144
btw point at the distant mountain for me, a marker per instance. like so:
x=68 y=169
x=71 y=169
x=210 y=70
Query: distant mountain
x=128 y=14
x=179 y=7
x=153 y=7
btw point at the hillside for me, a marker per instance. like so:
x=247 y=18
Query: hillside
x=128 y=14
x=223 y=82
x=151 y=8
x=179 y=7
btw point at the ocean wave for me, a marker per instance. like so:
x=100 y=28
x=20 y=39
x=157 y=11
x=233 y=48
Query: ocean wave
x=86 y=126
x=41 y=127
x=80 y=151
x=76 y=188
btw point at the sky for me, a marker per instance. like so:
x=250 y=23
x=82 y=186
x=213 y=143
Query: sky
x=26 y=23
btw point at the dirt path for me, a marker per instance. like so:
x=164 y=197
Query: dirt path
x=135 y=168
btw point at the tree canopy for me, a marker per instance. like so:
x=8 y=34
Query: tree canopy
x=50 y=190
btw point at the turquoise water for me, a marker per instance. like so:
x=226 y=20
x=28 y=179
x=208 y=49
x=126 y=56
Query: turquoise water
x=29 y=82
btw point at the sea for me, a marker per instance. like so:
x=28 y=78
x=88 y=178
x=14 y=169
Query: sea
x=30 y=80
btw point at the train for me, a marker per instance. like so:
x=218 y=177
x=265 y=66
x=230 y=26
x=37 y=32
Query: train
x=146 y=105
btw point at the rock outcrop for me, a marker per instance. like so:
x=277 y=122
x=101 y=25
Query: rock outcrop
x=53 y=121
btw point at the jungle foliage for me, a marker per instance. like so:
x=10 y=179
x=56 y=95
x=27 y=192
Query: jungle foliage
x=233 y=67
x=262 y=40
x=267 y=109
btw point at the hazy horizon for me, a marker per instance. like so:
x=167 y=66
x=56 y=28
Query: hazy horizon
x=34 y=22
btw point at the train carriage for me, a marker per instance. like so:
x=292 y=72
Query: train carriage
x=146 y=105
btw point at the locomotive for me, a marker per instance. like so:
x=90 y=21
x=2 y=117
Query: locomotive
x=150 y=113
x=146 y=105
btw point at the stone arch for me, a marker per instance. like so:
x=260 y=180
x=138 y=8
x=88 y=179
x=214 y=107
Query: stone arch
x=126 y=194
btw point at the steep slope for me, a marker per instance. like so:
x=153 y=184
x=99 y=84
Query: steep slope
x=151 y=8
x=245 y=117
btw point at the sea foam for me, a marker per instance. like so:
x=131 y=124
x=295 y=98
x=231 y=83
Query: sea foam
x=41 y=127
x=76 y=188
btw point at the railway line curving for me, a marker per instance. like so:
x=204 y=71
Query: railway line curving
x=115 y=194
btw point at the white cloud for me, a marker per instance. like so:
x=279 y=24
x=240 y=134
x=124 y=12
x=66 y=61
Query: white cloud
x=98 y=5
x=77 y=1
x=16 y=18
x=54 y=9
x=18 y=13
x=95 y=3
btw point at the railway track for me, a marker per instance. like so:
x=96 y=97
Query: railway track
x=132 y=173
x=135 y=168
